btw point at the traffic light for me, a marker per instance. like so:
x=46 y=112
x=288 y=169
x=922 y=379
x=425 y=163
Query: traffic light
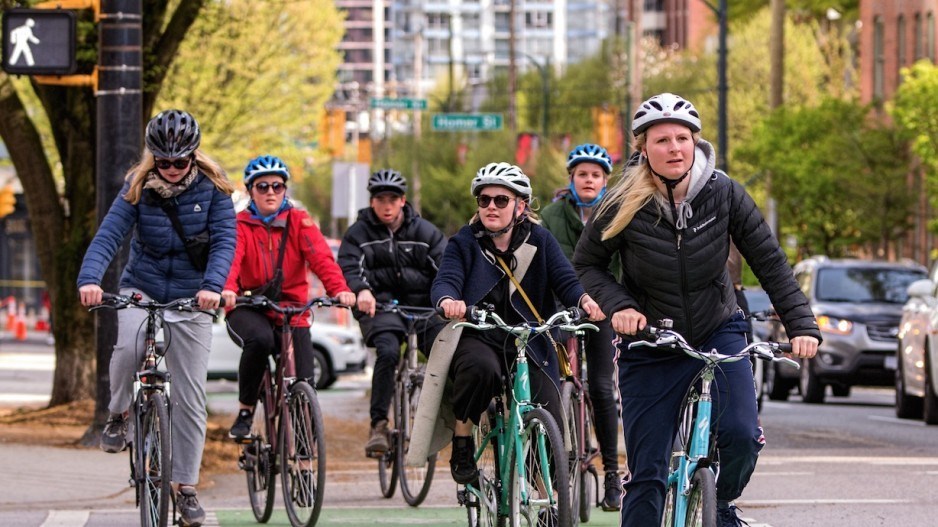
x=332 y=132
x=7 y=201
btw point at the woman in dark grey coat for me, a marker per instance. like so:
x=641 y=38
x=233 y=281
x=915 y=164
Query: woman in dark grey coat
x=670 y=219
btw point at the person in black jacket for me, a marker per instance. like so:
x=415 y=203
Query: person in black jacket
x=390 y=253
x=670 y=219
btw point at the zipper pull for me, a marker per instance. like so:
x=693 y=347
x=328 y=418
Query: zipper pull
x=679 y=236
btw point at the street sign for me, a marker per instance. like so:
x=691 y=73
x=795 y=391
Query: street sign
x=39 y=41
x=467 y=122
x=398 y=104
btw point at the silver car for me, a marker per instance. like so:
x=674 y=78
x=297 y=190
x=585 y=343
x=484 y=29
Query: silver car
x=917 y=353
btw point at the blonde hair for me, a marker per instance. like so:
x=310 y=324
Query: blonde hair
x=137 y=175
x=632 y=192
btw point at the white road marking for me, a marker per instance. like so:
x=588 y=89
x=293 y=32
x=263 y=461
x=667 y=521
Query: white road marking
x=849 y=460
x=820 y=501
x=66 y=519
x=27 y=361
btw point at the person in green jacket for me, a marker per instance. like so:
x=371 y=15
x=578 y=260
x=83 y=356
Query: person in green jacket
x=589 y=167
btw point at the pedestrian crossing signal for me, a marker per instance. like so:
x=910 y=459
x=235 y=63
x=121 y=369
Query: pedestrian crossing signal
x=7 y=201
x=39 y=41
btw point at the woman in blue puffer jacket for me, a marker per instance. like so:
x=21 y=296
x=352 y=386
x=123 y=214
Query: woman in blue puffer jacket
x=172 y=173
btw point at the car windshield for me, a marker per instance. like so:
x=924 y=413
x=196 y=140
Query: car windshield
x=865 y=284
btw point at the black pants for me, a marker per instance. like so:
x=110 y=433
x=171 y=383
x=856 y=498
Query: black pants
x=387 y=354
x=477 y=371
x=600 y=373
x=258 y=339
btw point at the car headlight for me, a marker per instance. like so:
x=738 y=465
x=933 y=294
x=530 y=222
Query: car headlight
x=340 y=339
x=837 y=326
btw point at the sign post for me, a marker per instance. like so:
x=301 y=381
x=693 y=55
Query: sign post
x=467 y=122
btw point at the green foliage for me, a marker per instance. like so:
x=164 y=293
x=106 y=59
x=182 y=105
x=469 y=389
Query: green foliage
x=913 y=108
x=743 y=9
x=256 y=74
x=838 y=178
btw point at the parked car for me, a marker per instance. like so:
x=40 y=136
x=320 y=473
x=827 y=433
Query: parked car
x=917 y=353
x=858 y=305
x=762 y=330
x=337 y=349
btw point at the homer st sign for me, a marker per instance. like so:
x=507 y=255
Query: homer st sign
x=38 y=41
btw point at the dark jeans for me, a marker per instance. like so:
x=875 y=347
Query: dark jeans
x=652 y=384
x=477 y=371
x=602 y=390
x=387 y=355
x=258 y=339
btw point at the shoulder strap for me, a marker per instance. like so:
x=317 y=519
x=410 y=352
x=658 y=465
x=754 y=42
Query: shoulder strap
x=170 y=209
x=283 y=242
x=520 y=289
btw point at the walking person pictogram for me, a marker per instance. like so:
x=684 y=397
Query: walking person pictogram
x=21 y=37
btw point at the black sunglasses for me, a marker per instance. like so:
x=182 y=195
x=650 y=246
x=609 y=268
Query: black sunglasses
x=500 y=201
x=164 y=164
x=276 y=186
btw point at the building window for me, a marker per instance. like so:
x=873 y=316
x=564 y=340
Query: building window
x=901 y=40
x=438 y=21
x=919 y=44
x=878 y=59
x=654 y=5
x=501 y=22
x=538 y=19
x=930 y=37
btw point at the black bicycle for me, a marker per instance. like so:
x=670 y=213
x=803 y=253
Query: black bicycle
x=408 y=384
x=151 y=452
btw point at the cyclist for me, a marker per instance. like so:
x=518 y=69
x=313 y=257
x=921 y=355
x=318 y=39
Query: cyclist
x=589 y=166
x=503 y=229
x=389 y=253
x=277 y=243
x=171 y=172
x=670 y=219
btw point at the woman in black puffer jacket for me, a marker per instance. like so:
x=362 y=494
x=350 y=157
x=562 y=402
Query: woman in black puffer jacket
x=670 y=219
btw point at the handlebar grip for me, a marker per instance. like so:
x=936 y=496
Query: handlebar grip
x=648 y=333
x=577 y=314
x=784 y=347
x=439 y=311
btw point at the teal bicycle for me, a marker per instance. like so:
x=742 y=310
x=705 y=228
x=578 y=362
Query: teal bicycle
x=523 y=465
x=691 y=500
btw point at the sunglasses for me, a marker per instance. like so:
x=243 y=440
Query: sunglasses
x=164 y=164
x=500 y=201
x=277 y=187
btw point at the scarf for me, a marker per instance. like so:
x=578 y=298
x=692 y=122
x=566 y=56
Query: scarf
x=155 y=182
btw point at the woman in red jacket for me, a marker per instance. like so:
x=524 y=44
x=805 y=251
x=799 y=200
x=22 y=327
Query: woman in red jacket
x=267 y=265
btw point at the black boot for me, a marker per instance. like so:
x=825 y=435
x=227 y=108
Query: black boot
x=463 y=463
x=613 y=491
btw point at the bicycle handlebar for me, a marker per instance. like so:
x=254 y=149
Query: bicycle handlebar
x=408 y=311
x=286 y=309
x=770 y=351
x=113 y=301
x=481 y=314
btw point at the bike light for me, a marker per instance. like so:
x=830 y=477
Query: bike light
x=837 y=326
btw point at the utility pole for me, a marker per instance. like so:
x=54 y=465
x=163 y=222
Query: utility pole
x=720 y=12
x=636 y=8
x=776 y=91
x=119 y=137
x=417 y=116
x=512 y=118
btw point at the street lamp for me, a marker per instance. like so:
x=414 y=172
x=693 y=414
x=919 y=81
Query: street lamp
x=545 y=87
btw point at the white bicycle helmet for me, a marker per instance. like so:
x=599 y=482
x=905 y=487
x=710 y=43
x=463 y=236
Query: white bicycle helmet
x=665 y=108
x=504 y=175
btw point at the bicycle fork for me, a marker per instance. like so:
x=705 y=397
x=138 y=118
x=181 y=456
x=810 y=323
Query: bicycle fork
x=695 y=456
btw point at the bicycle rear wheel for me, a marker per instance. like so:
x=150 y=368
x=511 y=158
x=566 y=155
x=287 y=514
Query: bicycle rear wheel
x=302 y=456
x=541 y=496
x=482 y=508
x=415 y=481
x=154 y=460
x=257 y=461
x=388 y=467
x=571 y=435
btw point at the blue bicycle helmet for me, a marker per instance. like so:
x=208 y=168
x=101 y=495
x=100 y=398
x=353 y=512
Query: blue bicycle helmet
x=589 y=153
x=263 y=166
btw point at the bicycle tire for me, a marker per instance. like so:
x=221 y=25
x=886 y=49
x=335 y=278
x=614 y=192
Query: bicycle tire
x=571 y=434
x=302 y=449
x=484 y=512
x=538 y=426
x=702 y=500
x=258 y=463
x=154 y=460
x=589 y=481
x=388 y=467
x=415 y=481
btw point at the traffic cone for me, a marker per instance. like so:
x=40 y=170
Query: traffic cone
x=19 y=331
x=42 y=321
x=11 y=314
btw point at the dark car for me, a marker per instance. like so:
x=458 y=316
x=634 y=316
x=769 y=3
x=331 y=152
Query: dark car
x=858 y=304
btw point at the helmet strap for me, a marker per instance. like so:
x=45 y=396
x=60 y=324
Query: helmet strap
x=587 y=204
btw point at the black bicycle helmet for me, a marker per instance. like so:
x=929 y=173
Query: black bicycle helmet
x=387 y=180
x=173 y=134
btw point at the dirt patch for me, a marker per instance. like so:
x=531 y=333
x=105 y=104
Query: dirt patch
x=63 y=426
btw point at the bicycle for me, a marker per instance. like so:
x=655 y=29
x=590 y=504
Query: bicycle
x=408 y=384
x=151 y=453
x=516 y=482
x=287 y=434
x=578 y=429
x=691 y=497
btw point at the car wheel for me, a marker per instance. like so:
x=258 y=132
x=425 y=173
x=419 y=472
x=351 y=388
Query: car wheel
x=812 y=389
x=323 y=375
x=907 y=406
x=930 y=402
x=774 y=385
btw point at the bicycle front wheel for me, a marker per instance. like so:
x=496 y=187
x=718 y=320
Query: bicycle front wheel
x=154 y=461
x=257 y=461
x=482 y=505
x=415 y=481
x=571 y=435
x=388 y=467
x=702 y=500
x=302 y=456
x=540 y=494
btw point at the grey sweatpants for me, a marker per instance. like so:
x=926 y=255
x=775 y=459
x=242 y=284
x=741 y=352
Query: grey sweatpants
x=188 y=338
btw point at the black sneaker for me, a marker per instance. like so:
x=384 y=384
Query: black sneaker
x=114 y=436
x=242 y=425
x=191 y=513
x=462 y=464
x=726 y=517
x=613 y=492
